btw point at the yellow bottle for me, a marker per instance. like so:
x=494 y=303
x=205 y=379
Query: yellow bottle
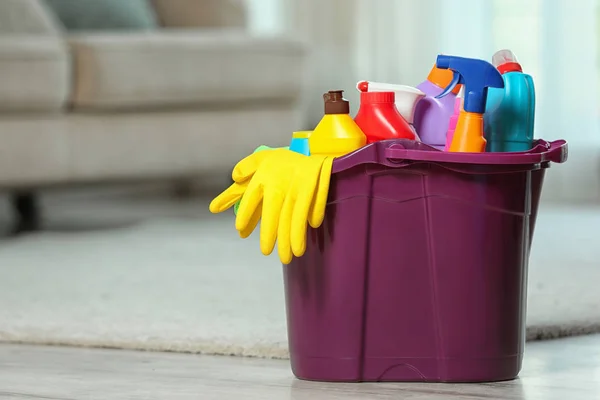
x=337 y=134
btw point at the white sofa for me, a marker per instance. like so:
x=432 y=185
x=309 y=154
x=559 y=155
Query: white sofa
x=190 y=98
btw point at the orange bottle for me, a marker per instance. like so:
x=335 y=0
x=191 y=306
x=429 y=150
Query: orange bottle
x=477 y=76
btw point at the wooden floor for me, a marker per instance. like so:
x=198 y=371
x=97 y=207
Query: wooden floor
x=567 y=369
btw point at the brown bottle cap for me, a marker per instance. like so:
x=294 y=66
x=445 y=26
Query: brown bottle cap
x=335 y=103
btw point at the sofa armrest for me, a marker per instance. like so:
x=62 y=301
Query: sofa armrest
x=201 y=13
x=35 y=73
x=26 y=17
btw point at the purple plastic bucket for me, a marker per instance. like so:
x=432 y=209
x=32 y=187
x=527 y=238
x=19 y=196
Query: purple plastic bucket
x=419 y=271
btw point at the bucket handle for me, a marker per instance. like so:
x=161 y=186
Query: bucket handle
x=542 y=152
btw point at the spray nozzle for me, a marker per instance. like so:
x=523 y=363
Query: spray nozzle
x=475 y=75
x=456 y=79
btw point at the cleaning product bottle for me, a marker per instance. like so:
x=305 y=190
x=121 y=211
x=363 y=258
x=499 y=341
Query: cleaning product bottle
x=458 y=106
x=299 y=142
x=407 y=97
x=509 y=126
x=432 y=114
x=379 y=118
x=477 y=76
x=336 y=134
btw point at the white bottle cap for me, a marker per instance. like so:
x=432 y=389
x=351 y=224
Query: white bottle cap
x=506 y=61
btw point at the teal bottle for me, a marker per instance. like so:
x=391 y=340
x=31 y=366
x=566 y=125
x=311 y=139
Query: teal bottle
x=510 y=113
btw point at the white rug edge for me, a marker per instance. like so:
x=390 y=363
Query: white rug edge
x=266 y=351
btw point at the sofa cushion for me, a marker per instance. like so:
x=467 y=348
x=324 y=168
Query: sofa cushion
x=86 y=15
x=129 y=145
x=34 y=73
x=175 y=68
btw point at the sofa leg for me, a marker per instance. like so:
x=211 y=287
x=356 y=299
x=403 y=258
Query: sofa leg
x=183 y=189
x=27 y=212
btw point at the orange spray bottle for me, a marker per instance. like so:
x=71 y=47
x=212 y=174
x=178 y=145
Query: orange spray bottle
x=476 y=76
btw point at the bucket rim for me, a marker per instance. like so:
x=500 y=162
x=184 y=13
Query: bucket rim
x=398 y=152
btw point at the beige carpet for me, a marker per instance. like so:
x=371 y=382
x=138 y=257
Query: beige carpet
x=166 y=275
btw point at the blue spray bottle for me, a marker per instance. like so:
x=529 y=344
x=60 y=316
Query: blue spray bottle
x=478 y=77
x=510 y=114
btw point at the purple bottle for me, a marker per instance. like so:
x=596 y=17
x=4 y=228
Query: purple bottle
x=432 y=116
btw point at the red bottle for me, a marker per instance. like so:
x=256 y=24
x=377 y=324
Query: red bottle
x=379 y=118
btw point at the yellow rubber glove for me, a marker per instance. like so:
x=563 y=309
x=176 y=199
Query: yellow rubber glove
x=241 y=176
x=305 y=202
x=282 y=172
x=259 y=148
x=273 y=175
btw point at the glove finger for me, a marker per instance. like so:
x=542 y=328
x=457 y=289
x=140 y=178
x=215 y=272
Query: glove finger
x=272 y=204
x=300 y=224
x=250 y=202
x=317 y=209
x=253 y=222
x=306 y=193
x=227 y=198
x=244 y=169
x=284 y=246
